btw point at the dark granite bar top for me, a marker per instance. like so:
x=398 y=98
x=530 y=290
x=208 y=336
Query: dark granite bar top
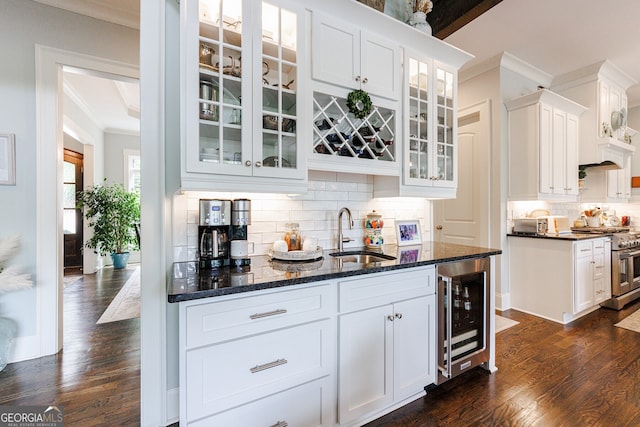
x=189 y=282
x=564 y=236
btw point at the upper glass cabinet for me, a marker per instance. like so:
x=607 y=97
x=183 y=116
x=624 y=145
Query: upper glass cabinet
x=241 y=86
x=220 y=89
x=279 y=79
x=430 y=121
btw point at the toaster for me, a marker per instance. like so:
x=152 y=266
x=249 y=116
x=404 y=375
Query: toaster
x=530 y=226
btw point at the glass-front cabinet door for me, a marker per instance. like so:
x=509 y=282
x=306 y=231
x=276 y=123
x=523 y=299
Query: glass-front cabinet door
x=217 y=85
x=240 y=88
x=419 y=135
x=277 y=88
x=445 y=142
x=430 y=124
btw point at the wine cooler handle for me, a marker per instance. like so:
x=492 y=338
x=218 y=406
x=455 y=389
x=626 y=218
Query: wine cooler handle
x=446 y=370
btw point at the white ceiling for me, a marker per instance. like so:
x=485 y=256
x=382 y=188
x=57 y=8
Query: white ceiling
x=558 y=36
x=113 y=105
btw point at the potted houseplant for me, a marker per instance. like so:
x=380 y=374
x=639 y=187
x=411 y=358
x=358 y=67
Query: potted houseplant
x=582 y=174
x=113 y=213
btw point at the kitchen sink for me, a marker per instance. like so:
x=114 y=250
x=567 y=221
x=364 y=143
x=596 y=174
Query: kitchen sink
x=362 y=257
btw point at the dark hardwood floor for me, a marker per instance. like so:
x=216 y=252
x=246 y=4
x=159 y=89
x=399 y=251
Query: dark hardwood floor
x=586 y=373
x=96 y=377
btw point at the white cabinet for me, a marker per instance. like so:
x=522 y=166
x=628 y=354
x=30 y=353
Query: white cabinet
x=242 y=90
x=351 y=57
x=612 y=100
x=386 y=341
x=543 y=147
x=593 y=273
x=619 y=183
x=600 y=87
x=559 y=279
x=430 y=126
x=248 y=352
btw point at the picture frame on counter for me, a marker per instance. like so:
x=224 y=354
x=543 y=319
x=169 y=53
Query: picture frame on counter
x=7 y=159
x=408 y=232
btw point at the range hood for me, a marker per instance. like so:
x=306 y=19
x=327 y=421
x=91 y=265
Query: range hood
x=594 y=87
x=605 y=165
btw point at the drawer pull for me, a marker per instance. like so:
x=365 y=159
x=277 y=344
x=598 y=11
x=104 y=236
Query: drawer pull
x=269 y=365
x=585 y=250
x=267 y=314
x=281 y=424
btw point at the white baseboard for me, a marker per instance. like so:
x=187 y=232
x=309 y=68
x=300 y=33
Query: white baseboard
x=503 y=301
x=25 y=348
x=173 y=405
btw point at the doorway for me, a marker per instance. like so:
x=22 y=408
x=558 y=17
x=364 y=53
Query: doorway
x=465 y=219
x=72 y=223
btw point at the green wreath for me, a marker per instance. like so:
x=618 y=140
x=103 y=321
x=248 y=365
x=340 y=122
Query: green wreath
x=359 y=103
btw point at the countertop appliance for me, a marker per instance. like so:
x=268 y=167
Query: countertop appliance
x=222 y=232
x=530 y=226
x=463 y=316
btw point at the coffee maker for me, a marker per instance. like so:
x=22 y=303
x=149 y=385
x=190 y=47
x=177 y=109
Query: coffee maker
x=214 y=230
x=222 y=233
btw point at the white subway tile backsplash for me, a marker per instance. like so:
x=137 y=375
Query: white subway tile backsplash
x=316 y=212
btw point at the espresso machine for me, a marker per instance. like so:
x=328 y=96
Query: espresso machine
x=222 y=233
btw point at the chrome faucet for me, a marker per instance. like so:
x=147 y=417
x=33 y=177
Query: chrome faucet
x=341 y=238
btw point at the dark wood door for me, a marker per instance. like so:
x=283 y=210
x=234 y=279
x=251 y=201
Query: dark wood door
x=72 y=216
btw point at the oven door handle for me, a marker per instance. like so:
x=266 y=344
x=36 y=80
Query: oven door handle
x=629 y=254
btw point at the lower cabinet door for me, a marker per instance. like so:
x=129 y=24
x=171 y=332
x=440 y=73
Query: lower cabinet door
x=222 y=376
x=308 y=405
x=414 y=340
x=365 y=362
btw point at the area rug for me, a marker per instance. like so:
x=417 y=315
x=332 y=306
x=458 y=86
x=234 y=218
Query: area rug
x=503 y=323
x=631 y=322
x=126 y=304
x=70 y=280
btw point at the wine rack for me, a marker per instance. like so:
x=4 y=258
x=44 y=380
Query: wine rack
x=337 y=132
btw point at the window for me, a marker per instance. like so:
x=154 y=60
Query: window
x=132 y=170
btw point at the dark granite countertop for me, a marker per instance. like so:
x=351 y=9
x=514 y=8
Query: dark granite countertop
x=564 y=236
x=188 y=282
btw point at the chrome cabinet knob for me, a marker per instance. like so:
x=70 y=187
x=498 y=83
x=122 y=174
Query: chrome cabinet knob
x=258 y=164
x=357 y=78
x=247 y=163
x=365 y=80
x=398 y=315
x=390 y=318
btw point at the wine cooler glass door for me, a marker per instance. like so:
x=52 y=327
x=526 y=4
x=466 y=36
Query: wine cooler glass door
x=463 y=322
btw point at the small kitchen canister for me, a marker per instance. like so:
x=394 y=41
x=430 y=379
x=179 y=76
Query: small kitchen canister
x=373 y=224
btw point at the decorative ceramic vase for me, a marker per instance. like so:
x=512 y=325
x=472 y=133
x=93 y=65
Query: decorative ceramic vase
x=8 y=330
x=120 y=260
x=418 y=20
x=373 y=224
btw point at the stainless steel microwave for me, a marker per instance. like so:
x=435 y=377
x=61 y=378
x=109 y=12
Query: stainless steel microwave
x=530 y=226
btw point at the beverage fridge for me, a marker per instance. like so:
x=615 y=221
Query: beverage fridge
x=463 y=316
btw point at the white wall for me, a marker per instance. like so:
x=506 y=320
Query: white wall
x=23 y=24
x=114 y=146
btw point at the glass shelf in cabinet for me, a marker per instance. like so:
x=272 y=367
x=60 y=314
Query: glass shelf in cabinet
x=209 y=31
x=270 y=48
x=414 y=93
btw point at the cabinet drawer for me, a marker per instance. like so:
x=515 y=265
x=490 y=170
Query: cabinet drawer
x=307 y=405
x=213 y=322
x=584 y=248
x=378 y=289
x=598 y=246
x=222 y=376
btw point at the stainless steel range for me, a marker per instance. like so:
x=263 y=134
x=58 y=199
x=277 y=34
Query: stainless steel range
x=625 y=268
